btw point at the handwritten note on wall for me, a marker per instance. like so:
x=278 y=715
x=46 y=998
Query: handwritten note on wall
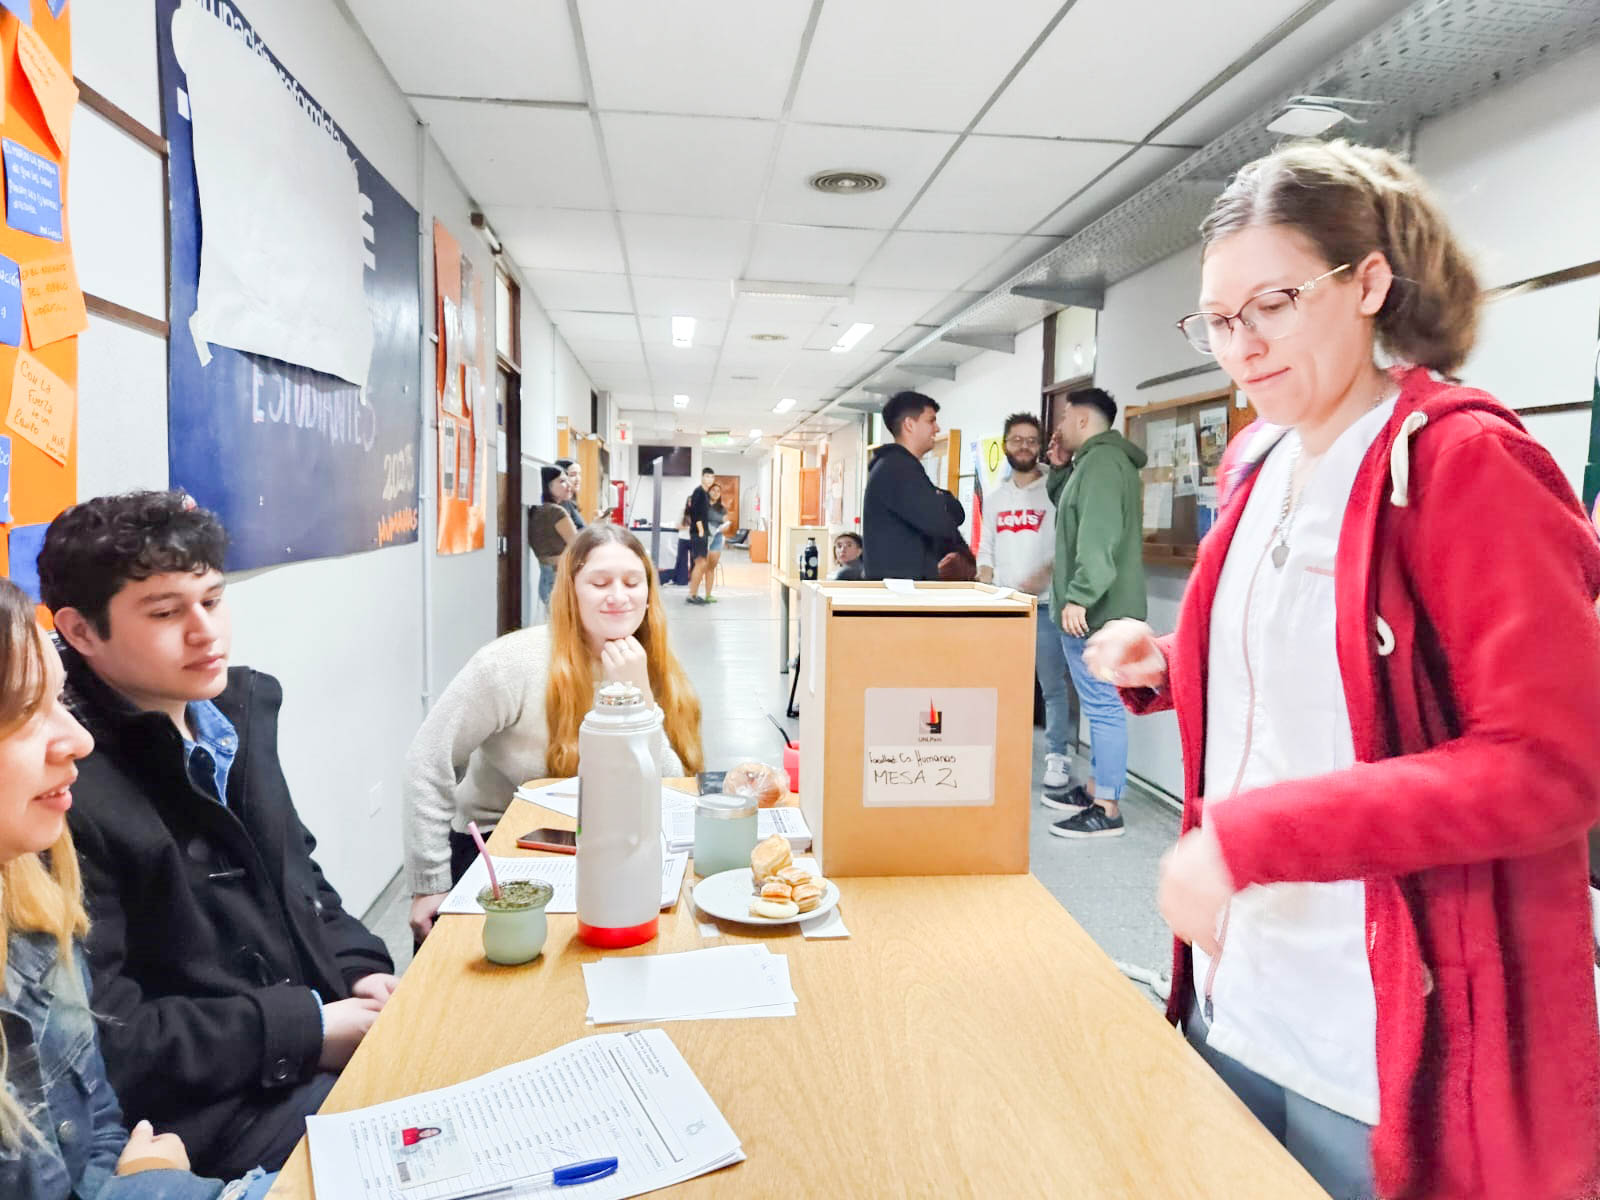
x=33 y=191
x=52 y=85
x=43 y=406
x=52 y=300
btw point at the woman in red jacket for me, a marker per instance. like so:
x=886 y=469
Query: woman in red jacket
x=1385 y=673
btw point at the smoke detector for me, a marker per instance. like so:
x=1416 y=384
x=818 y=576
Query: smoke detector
x=847 y=183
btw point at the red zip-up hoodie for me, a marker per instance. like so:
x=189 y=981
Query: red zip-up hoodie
x=1467 y=573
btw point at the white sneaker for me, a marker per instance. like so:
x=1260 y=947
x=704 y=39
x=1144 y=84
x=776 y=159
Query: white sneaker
x=1057 y=771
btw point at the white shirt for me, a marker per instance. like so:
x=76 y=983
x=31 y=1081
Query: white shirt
x=1292 y=997
x=1019 y=535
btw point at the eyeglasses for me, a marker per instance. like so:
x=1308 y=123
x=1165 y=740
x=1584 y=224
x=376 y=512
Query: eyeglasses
x=1271 y=315
x=1022 y=443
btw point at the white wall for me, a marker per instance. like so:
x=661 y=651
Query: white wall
x=344 y=635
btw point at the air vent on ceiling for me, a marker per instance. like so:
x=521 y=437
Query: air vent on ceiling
x=769 y=337
x=847 y=183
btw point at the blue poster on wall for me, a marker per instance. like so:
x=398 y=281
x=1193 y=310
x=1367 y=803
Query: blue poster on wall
x=298 y=463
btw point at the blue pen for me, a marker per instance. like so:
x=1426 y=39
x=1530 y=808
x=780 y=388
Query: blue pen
x=567 y=1176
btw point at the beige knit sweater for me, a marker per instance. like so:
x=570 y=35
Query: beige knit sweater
x=486 y=735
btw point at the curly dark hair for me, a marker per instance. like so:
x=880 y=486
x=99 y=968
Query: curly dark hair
x=93 y=549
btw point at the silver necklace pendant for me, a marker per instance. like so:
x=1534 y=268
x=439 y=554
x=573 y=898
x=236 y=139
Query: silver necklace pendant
x=1280 y=554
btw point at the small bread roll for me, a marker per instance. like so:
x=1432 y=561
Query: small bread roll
x=770 y=857
x=775 y=910
x=808 y=895
x=794 y=876
x=776 y=889
x=756 y=781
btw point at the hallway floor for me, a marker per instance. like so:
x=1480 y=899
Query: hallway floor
x=730 y=650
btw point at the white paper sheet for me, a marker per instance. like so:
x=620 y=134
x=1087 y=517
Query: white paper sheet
x=631 y=1095
x=677 y=824
x=560 y=873
x=282 y=260
x=661 y=987
x=1159 y=436
x=829 y=925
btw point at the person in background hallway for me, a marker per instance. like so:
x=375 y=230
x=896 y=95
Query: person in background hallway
x=1098 y=576
x=1018 y=550
x=54 y=1079
x=550 y=527
x=574 y=479
x=699 y=514
x=230 y=984
x=910 y=528
x=1389 y=766
x=717 y=524
x=847 y=553
x=513 y=712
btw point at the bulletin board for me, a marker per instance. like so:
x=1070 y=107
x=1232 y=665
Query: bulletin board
x=1183 y=440
x=41 y=307
x=464 y=426
x=298 y=461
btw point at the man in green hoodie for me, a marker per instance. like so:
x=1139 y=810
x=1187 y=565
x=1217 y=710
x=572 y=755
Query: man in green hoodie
x=1099 y=577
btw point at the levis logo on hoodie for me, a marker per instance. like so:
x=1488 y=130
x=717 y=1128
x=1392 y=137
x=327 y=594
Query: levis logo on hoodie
x=1019 y=520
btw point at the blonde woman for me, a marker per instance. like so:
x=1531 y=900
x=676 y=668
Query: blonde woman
x=513 y=712
x=1384 y=673
x=61 y=1133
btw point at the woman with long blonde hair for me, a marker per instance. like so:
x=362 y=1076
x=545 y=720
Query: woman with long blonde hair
x=46 y=1026
x=513 y=712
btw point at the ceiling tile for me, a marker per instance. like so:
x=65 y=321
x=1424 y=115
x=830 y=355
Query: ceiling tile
x=894 y=63
x=558 y=239
x=721 y=57
x=1007 y=185
x=694 y=362
x=908 y=337
x=597 y=326
x=521 y=51
x=809 y=254
x=658 y=332
x=581 y=290
x=694 y=247
x=1147 y=163
x=1180 y=48
x=690 y=166
x=884 y=307
x=930 y=261
x=615 y=354
x=508 y=155
x=1004 y=266
x=903 y=158
x=703 y=299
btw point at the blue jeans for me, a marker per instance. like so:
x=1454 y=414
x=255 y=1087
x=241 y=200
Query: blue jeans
x=1108 y=721
x=547 y=582
x=1051 y=668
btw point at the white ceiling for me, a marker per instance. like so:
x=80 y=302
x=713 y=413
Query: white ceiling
x=635 y=158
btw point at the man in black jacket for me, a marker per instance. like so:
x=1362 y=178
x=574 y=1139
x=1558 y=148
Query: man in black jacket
x=911 y=528
x=230 y=983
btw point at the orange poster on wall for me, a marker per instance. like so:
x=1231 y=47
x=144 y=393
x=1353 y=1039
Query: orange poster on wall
x=459 y=432
x=39 y=431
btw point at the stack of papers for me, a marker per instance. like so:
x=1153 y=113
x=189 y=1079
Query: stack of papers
x=677 y=824
x=627 y=1095
x=560 y=873
x=722 y=982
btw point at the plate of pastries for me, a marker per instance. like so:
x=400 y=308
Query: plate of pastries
x=772 y=890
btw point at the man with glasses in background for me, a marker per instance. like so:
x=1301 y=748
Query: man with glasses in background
x=1017 y=550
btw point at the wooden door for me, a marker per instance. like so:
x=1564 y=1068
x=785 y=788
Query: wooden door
x=730 y=500
x=810 y=496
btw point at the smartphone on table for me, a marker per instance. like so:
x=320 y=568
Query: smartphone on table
x=558 y=841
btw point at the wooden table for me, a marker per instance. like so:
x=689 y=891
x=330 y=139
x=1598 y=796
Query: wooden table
x=968 y=1039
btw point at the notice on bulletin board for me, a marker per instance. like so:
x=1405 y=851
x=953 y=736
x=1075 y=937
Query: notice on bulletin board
x=929 y=747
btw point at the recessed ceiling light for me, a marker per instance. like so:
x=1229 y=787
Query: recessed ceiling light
x=680 y=401
x=683 y=331
x=850 y=337
x=769 y=337
x=774 y=289
x=784 y=405
x=847 y=183
x=755 y=435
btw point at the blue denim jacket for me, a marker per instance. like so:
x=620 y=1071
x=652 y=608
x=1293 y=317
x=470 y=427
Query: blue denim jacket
x=55 y=1071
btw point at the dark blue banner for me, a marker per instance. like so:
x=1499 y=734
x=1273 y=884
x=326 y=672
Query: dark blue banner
x=297 y=463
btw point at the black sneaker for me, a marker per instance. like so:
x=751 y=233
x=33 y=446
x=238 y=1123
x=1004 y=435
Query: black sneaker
x=1090 y=823
x=1070 y=800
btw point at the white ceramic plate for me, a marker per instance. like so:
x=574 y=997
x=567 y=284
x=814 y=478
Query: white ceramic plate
x=729 y=895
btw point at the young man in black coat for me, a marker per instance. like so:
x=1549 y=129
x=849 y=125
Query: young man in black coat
x=230 y=984
x=911 y=528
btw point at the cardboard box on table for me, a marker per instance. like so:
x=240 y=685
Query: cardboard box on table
x=913 y=677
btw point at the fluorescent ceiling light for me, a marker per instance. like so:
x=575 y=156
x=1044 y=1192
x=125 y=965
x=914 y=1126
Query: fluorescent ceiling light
x=680 y=401
x=1306 y=120
x=784 y=405
x=772 y=289
x=755 y=435
x=851 y=336
x=683 y=331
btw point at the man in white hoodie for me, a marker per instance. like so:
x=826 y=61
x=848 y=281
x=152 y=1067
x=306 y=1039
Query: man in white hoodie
x=1017 y=550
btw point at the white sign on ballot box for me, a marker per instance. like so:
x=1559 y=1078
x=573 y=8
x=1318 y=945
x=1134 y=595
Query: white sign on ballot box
x=929 y=747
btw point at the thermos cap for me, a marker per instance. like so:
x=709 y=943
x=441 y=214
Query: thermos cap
x=617 y=695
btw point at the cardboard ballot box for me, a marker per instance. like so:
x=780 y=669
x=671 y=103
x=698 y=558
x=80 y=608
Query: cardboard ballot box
x=916 y=727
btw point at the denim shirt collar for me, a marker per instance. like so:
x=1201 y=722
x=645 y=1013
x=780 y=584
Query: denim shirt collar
x=219 y=741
